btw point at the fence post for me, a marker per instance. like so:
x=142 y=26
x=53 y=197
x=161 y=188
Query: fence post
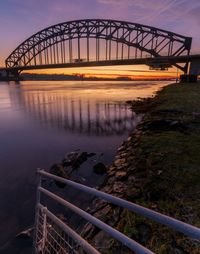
x=44 y=228
x=39 y=182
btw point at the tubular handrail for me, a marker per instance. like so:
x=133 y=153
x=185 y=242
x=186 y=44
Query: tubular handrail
x=126 y=241
x=84 y=244
x=178 y=225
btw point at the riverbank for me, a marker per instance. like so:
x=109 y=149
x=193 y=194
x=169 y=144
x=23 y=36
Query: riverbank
x=158 y=167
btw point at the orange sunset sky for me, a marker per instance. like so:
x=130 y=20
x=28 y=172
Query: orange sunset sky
x=114 y=71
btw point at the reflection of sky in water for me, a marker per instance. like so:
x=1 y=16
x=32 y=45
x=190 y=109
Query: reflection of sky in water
x=41 y=121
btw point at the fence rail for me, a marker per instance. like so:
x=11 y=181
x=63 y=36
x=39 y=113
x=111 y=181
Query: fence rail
x=42 y=242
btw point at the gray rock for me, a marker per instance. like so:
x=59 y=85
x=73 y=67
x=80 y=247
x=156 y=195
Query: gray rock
x=28 y=233
x=119 y=162
x=100 y=169
x=121 y=175
x=89 y=231
x=133 y=193
x=58 y=170
x=107 y=189
x=119 y=187
x=101 y=241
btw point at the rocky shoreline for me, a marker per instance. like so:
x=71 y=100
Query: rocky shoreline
x=123 y=180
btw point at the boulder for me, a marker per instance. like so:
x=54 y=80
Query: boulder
x=119 y=162
x=28 y=233
x=133 y=193
x=119 y=187
x=58 y=170
x=75 y=159
x=70 y=158
x=99 y=168
x=120 y=175
x=80 y=159
x=90 y=154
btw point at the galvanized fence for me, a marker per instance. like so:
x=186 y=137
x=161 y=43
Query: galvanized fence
x=54 y=236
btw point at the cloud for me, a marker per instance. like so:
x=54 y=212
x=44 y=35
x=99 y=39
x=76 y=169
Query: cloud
x=143 y=10
x=143 y=4
x=115 y=2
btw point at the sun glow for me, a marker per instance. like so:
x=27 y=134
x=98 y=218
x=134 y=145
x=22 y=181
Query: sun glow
x=132 y=72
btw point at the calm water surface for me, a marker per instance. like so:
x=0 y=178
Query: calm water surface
x=41 y=121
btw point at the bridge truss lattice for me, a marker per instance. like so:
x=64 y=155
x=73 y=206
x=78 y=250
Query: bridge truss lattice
x=96 y=40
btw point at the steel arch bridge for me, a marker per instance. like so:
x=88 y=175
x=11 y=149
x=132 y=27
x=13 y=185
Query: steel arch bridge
x=95 y=42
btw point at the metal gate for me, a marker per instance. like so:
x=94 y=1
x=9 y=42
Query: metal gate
x=54 y=236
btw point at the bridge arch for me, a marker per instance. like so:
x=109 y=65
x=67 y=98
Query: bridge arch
x=122 y=40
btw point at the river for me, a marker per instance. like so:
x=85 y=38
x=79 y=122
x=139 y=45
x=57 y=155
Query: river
x=41 y=121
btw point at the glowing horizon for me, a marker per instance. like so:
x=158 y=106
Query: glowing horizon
x=112 y=71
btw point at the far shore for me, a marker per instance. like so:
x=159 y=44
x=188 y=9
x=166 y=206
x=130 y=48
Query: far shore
x=76 y=77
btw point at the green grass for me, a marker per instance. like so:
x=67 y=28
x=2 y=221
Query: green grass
x=185 y=97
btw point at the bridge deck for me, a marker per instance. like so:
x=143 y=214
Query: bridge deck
x=164 y=60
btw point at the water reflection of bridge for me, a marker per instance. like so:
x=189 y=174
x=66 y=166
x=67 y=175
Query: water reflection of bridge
x=80 y=115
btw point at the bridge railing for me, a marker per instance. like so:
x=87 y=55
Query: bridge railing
x=53 y=235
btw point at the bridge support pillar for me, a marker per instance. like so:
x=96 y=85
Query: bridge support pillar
x=8 y=75
x=193 y=71
x=195 y=67
x=3 y=75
